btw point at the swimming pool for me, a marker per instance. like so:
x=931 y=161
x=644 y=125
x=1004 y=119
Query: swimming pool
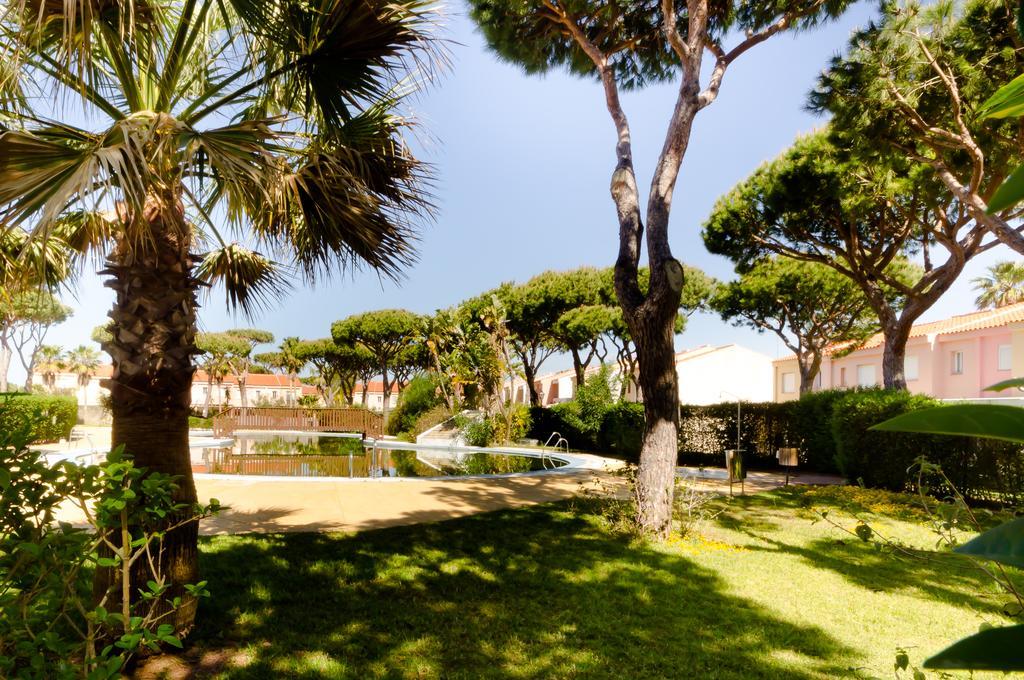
x=308 y=455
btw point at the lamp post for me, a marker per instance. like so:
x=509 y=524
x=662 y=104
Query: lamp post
x=737 y=459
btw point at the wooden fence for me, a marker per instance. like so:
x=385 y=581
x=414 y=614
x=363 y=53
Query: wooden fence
x=368 y=423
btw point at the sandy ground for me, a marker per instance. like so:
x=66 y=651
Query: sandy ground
x=357 y=505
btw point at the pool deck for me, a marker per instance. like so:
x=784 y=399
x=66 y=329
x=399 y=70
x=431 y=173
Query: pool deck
x=282 y=505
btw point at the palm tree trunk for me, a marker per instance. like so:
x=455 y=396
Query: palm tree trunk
x=154 y=326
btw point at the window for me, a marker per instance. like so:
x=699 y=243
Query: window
x=866 y=375
x=1005 y=357
x=910 y=370
x=842 y=377
x=788 y=383
x=958 y=363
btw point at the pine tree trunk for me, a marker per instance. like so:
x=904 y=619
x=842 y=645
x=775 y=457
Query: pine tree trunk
x=655 y=483
x=242 y=394
x=579 y=369
x=154 y=326
x=530 y=375
x=387 y=394
x=810 y=365
x=893 y=352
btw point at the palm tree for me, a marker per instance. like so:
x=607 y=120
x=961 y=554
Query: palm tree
x=274 y=122
x=50 y=362
x=83 y=362
x=1004 y=285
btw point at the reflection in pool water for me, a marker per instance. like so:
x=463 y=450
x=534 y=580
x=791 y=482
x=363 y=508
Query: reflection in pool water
x=322 y=456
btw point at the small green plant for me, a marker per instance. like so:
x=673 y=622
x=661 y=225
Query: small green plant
x=476 y=432
x=50 y=624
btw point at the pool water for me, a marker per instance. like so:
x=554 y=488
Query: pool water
x=293 y=455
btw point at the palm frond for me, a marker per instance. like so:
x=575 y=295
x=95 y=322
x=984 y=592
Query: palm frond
x=250 y=280
x=324 y=59
x=237 y=161
x=48 y=170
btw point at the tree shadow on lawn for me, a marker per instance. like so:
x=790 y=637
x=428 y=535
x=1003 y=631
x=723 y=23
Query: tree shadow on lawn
x=939 y=576
x=529 y=593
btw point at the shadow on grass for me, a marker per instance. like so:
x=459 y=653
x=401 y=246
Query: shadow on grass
x=938 y=575
x=529 y=593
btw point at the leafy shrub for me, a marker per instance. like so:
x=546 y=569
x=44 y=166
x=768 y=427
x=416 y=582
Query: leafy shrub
x=50 y=626
x=516 y=429
x=622 y=431
x=880 y=459
x=812 y=420
x=418 y=397
x=478 y=432
x=593 y=399
x=563 y=419
x=50 y=418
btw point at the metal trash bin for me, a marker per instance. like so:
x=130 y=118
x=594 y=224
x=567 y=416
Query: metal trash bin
x=734 y=467
x=789 y=457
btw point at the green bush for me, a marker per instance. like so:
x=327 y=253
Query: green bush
x=622 y=431
x=563 y=419
x=812 y=420
x=50 y=417
x=880 y=459
x=478 y=432
x=418 y=397
x=53 y=626
x=981 y=469
x=515 y=429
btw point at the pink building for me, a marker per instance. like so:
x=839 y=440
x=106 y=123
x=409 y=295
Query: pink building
x=950 y=359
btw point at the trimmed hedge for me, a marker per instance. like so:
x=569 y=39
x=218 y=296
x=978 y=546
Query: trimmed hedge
x=981 y=469
x=705 y=432
x=830 y=428
x=622 y=431
x=50 y=417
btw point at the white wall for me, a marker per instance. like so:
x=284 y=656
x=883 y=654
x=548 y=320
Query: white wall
x=733 y=369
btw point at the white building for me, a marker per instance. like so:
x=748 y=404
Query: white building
x=374 y=395
x=261 y=389
x=707 y=375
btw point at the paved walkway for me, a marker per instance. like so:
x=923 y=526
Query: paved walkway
x=356 y=505
x=717 y=479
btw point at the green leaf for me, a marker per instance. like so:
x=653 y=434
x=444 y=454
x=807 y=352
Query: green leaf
x=970 y=420
x=1009 y=193
x=997 y=649
x=1005 y=385
x=1008 y=101
x=1004 y=543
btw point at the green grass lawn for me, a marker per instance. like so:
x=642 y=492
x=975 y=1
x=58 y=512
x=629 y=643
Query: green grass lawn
x=553 y=592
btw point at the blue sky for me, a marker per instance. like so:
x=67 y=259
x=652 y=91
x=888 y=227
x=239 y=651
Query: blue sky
x=522 y=165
